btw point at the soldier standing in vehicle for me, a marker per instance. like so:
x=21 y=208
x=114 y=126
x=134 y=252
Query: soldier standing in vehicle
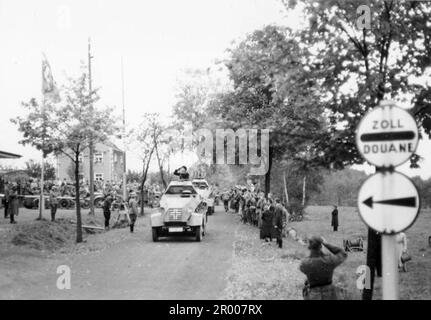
x=319 y=269
x=182 y=173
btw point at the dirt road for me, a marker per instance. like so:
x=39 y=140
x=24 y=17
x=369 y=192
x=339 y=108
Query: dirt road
x=135 y=267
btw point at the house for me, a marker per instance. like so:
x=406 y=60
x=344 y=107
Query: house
x=108 y=164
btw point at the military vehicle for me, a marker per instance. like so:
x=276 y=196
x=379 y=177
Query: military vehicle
x=182 y=211
x=205 y=191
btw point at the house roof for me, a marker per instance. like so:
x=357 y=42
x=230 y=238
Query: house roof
x=112 y=145
x=8 y=155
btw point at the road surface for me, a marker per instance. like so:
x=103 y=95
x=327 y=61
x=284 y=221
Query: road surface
x=138 y=268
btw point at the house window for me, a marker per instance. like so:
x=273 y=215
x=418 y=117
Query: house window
x=98 y=177
x=80 y=159
x=98 y=157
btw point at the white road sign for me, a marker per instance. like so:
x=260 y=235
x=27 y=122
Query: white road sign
x=387 y=136
x=388 y=202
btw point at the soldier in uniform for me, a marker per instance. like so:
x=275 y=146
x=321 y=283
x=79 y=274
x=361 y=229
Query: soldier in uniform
x=278 y=222
x=13 y=208
x=182 y=173
x=267 y=223
x=53 y=201
x=334 y=220
x=225 y=198
x=319 y=268
x=6 y=199
x=133 y=211
x=107 y=202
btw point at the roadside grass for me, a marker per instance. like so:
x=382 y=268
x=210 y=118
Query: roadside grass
x=33 y=237
x=414 y=284
x=262 y=271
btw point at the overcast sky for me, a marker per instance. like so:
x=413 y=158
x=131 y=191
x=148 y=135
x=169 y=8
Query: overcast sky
x=157 y=40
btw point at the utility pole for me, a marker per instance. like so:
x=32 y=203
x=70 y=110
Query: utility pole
x=91 y=145
x=42 y=173
x=124 y=132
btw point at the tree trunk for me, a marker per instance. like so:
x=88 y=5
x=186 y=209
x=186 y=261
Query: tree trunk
x=77 y=203
x=160 y=166
x=145 y=167
x=286 y=194
x=303 y=190
x=141 y=190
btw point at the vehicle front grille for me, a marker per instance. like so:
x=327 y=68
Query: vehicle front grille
x=174 y=214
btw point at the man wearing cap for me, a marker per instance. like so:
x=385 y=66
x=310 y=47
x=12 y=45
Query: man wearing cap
x=278 y=222
x=133 y=211
x=182 y=173
x=53 y=201
x=319 y=268
x=107 y=203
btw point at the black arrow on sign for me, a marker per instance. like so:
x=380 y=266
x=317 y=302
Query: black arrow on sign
x=404 y=202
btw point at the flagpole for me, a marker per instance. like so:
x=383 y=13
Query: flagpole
x=91 y=144
x=42 y=173
x=124 y=132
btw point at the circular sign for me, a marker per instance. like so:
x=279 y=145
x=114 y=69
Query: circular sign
x=387 y=136
x=388 y=202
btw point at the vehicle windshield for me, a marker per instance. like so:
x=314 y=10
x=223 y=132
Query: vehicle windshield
x=180 y=189
x=200 y=185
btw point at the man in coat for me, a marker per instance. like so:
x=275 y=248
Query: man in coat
x=334 y=220
x=278 y=222
x=225 y=197
x=53 y=201
x=6 y=199
x=13 y=208
x=267 y=223
x=107 y=203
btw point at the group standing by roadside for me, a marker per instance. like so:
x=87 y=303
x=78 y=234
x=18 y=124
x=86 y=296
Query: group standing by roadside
x=269 y=215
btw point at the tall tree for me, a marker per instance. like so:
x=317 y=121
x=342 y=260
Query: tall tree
x=356 y=67
x=271 y=90
x=34 y=170
x=143 y=137
x=68 y=127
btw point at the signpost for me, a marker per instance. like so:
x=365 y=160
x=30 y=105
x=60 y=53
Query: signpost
x=388 y=201
x=387 y=136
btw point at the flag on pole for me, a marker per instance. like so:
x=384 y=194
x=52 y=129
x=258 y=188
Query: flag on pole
x=49 y=87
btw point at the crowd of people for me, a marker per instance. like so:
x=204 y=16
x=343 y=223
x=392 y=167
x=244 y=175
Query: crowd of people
x=266 y=213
